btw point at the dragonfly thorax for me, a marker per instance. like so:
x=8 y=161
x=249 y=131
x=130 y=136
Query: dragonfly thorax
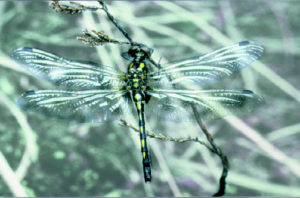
x=136 y=76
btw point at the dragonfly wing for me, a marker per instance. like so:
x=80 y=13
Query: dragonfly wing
x=213 y=66
x=84 y=106
x=164 y=107
x=63 y=72
x=175 y=105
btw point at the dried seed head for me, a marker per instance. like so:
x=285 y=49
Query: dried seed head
x=94 y=38
x=71 y=8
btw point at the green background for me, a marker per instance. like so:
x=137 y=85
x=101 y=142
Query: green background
x=41 y=156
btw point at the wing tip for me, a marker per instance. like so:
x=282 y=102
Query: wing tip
x=28 y=49
x=253 y=48
x=258 y=98
x=246 y=91
x=22 y=102
x=16 y=53
x=29 y=92
x=243 y=43
x=251 y=42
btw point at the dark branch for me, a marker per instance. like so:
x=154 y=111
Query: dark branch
x=165 y=138
x=218 y=151
x=114 y=21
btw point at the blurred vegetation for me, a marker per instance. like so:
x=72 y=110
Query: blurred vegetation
x=42 y=156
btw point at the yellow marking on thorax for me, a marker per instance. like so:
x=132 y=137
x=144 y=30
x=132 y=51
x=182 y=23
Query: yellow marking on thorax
x=141 y=66
x=130 y=66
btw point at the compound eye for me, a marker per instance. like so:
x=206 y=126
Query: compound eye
x=126 y=56
x=147 y=50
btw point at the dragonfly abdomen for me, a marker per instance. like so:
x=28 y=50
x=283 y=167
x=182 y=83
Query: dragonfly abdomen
x=139 y=100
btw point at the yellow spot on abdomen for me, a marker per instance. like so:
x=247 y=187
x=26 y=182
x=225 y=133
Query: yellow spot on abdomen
x=138 y=106
x=144 y=155
x=143 y=143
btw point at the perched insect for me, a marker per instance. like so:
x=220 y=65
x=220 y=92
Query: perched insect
x=98 y=93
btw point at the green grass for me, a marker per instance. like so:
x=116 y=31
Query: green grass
x=41 y=156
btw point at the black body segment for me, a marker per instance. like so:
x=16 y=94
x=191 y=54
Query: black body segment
x=137 y=70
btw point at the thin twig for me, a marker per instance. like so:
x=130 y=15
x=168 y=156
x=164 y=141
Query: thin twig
x=165 y=138
x=114 y=21
x=215 y=149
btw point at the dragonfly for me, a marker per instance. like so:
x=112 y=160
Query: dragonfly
x=94 y=93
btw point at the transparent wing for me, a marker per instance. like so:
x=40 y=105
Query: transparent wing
x=211 y=67
x=84 y=106
x=63 y=72
x=175 y=105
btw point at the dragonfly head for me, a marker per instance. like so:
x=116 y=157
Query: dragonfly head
x=139 y=51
